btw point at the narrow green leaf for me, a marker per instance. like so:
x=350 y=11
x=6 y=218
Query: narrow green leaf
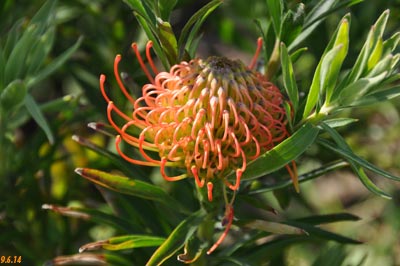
x=340 y=37
x=285 y=152
x=124 y=242
x=340 y=122
x=177 y=239
x=391 y=44
x=312 y=21
x=34 y=110
x=368 y=183
x=166 y=6
x=197 y=19
x=289 y=80
x=275 y=228
x=90 y=214
x=385 y=64
x=54 y=65
x=379 y=96
x=359 y=88
x=349 y=155
x=327 y=168
x=275 y=9
x=14 y=67
x=151 y=33
x=13 y=95
x=328 y=218
x=344 y=150
x=130 y=186
x=375 y=54
x=45 y=12
x=360 y=65
x=40 y=51
x=321 y=233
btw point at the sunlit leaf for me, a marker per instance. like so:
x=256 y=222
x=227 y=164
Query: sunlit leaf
x=130 y=186
x=124 y=242
x=379 y=96
x=275 y=228
x=282 y=154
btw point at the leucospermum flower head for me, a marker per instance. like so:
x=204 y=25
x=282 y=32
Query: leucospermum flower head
x=208 y=117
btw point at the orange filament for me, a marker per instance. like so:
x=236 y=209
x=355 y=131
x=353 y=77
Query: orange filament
x=142 y=65
x=255 y=57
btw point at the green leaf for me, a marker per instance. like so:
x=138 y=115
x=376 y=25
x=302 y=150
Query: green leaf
x=289 y=80
x=34 y=110
x=349 y=155
x=328 y=218
x=359 y=88
x=40 y=51
x=323 y=71
x=344 y=150
x=282 y=154
x=275 y=9
x=124 y=242
x=13 y=95
x=321 y=233
x=340 y=122
x=177 y=239
x=54 y=65
x=166 y=6
x=379 y=96
x=168 y=41
x=302 y=178
x=129 y=186
x=191 y=28
x=368 y=183
x=90 y=214
x=45 y=13
x=360 y=66
x=391 y=44
x=275 y=228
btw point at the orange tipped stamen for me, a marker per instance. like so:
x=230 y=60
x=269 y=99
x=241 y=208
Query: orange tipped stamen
x=102 y=89
x=165 y=176
x=196 y=177
x=119 y=81
x=209 y=191
x=133 y=161
x=255 y=57
x=149 y=58
x=142 y=65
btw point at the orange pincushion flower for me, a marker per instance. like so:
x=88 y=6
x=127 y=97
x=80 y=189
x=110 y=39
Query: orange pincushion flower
x=208 y=117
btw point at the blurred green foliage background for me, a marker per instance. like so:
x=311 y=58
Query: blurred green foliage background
x=36 y=172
